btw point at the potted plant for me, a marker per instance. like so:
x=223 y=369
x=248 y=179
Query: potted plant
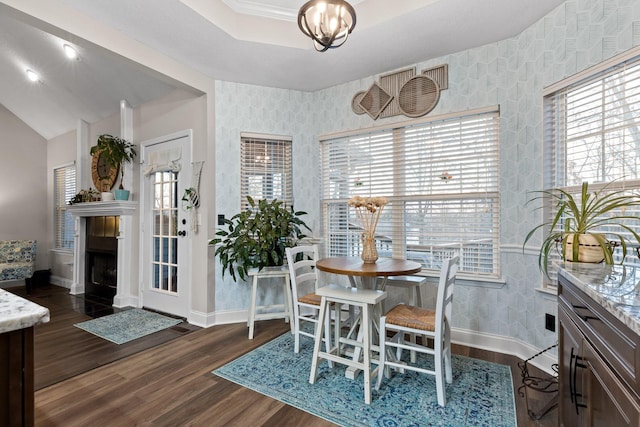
x=582 y=219
x=115 y=151
x=258 y=236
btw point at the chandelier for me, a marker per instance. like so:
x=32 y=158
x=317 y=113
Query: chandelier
x=327 y=22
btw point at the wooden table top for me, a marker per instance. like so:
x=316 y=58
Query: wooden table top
x=354 y=266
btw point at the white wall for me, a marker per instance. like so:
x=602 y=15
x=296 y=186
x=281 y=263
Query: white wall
x=23 y=185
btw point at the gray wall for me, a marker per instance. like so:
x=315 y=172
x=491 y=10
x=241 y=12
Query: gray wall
x=23 y=184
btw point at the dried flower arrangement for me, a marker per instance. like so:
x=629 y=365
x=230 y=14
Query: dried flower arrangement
x=368 y=210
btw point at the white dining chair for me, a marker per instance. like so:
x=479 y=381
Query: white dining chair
x=408 y=319
x=304 y=283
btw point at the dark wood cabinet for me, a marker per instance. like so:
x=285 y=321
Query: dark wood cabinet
x=598 y=363
x=16 y=378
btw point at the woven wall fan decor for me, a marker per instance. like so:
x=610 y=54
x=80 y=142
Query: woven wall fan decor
x=355 y=103
x=418 y=96
x=374 y=100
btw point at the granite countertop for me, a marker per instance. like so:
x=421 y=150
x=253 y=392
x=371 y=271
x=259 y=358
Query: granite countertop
x=19 y=313
x=615 y=287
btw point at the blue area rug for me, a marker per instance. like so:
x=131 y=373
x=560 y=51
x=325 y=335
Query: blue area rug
x=481 y=393
x=127 y=325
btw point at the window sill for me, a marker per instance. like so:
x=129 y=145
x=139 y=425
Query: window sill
x=551 y=292
x=469 y=281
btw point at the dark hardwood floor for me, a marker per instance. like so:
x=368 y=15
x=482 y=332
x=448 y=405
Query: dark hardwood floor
x=165 y=379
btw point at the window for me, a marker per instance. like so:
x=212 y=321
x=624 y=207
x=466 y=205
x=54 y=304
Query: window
x=64 y=189
x=441 y=180
x=265 y=168
x=592 y=134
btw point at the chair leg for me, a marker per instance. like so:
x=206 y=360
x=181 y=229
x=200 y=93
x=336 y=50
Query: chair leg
x=447 y=354
x=366 y=342
x=296 y=333
x=327 y=333
x=382 y=369
x=318 y=341
x=439 y=372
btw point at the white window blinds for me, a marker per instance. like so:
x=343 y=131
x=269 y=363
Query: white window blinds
x=592 y=132
x=265 y=169
x=441 y=179
x=64 y=189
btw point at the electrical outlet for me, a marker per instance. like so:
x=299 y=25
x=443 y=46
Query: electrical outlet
x=550 y=322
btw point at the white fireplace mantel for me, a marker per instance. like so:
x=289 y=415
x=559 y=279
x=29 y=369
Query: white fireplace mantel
x=106 y=208
x=125 y=210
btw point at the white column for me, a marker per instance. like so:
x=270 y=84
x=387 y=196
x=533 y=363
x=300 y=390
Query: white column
x=77 y=286
x=126 y=132
x=124 y=296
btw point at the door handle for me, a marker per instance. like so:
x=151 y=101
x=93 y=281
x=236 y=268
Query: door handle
x=182 y=233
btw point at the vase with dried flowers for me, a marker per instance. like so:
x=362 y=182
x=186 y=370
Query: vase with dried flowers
x=368 y=210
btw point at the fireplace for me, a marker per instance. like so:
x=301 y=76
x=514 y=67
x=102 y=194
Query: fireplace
x=104 y=251
x=101 y=258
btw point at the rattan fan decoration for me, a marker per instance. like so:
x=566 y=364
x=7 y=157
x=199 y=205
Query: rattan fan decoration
x=374 y=100
x=392 y=83
x=355 y=103
x=418 y=96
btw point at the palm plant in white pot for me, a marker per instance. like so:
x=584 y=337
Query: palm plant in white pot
x=582 y=225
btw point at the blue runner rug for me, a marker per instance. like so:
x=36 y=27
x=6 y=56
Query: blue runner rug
x=481 y=393
x=127 y=325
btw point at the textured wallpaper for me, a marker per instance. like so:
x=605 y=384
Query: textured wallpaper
x=512 y=74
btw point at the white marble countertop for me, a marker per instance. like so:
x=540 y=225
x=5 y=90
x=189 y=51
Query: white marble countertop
x=615 y=287
x=19 y=313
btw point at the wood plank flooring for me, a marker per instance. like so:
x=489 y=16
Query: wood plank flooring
x=166 y=380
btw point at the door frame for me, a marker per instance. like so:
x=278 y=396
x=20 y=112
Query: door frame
x=144 y=232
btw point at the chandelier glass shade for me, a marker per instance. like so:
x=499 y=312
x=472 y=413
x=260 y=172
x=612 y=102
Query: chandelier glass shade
x=327 y=22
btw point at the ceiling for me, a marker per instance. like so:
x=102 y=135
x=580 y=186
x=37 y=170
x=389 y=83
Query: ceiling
x=246 y=41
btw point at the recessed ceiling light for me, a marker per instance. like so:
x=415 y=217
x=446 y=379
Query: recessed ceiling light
x=70 y=51
x=33 y=76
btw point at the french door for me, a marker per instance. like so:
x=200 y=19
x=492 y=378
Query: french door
x=166 y=173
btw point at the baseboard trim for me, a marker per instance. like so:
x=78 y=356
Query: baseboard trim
x=221 y=317
x=505 y=345
x=125 y=301
x=61 y=281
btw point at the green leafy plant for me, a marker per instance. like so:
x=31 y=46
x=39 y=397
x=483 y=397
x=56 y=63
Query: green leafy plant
x=586 y=215
x=116 y=151
x=257 y=237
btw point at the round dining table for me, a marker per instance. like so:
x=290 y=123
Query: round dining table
x=368 y=273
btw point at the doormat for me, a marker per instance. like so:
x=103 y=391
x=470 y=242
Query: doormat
x=127 y=325
x=481 y=393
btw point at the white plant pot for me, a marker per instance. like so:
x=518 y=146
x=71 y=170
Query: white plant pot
x=104 y=196
x=589 y=251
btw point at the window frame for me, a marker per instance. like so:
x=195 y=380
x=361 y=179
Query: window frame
x=402 y=201
x=63 y=221
x=279 y=177
x=559 y=118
